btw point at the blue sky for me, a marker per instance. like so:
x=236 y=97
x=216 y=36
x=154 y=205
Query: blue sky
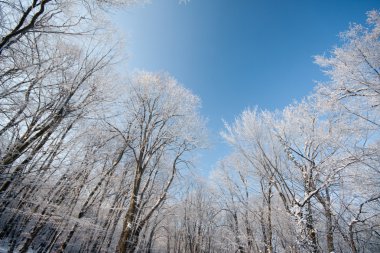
x=237 y=54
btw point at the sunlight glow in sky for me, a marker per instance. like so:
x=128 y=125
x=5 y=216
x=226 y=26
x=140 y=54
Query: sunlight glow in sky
x=237 y=54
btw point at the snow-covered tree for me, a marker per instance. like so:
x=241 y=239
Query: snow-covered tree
x=165 y=127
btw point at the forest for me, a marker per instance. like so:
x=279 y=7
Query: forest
x=93 y=160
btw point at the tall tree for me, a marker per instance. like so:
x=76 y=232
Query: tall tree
x=166 y=125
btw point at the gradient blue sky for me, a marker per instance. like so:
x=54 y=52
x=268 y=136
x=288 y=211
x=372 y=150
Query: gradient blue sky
x=237 y=54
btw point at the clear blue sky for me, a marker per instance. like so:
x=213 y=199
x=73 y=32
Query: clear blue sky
x=237 y=54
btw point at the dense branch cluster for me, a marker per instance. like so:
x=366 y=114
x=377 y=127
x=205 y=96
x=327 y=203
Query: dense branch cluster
x=94 y=162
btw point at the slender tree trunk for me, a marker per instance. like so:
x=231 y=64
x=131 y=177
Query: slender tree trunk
x=351 y=237
x=269 y=219
x=150 y=239
x=329 y=223
x=127 y=241
x=250 y=238
x=311 y=234
x=310 y=230
x=236 y=231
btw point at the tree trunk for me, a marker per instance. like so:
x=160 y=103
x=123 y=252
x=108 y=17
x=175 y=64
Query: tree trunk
x=269 y=220
x=326 y=203
x=127 y=241
x=329 y=224
x=351 y=236
x=310 y=230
